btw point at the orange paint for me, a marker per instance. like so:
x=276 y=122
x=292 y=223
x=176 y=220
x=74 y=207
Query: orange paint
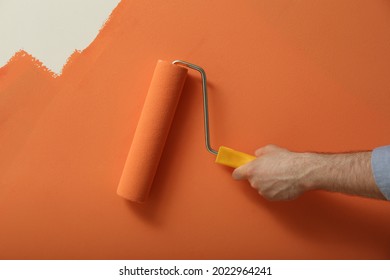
x=303 y=76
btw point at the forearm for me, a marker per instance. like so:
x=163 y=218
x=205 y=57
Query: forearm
x=279 y=174
x=347 y=173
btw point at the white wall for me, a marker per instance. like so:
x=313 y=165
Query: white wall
x=50 y=30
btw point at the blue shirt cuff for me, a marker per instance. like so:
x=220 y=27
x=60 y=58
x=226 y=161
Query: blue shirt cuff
x=380 y=162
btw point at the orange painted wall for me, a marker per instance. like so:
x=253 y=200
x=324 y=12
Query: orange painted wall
x=306 y=75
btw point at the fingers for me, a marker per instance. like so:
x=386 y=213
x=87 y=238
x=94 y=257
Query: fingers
x=273 y=174
x=243 y=172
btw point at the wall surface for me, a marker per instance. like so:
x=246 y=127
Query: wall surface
x=305 y=75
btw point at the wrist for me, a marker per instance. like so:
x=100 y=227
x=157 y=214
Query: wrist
x=348 y=173
x=314 y=166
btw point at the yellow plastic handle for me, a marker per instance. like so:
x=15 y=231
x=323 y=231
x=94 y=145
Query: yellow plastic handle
x=232 y=158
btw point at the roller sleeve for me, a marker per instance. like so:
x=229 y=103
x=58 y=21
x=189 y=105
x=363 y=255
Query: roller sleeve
x=152 y=131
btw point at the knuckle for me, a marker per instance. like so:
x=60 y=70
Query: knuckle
x=253 y=184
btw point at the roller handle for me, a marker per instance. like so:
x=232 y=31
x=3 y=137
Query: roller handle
x=229 y=157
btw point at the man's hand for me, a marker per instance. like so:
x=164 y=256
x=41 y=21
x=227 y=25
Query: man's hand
x=278 y=174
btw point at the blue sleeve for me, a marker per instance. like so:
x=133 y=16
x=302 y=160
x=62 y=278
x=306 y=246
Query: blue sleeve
x=380 y=162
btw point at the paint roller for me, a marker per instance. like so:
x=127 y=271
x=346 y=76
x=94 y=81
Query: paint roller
x=153 y=128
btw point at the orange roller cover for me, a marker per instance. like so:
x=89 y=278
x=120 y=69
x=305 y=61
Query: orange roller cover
x=152 y=131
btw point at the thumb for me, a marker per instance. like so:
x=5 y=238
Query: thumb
x=239 y=173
